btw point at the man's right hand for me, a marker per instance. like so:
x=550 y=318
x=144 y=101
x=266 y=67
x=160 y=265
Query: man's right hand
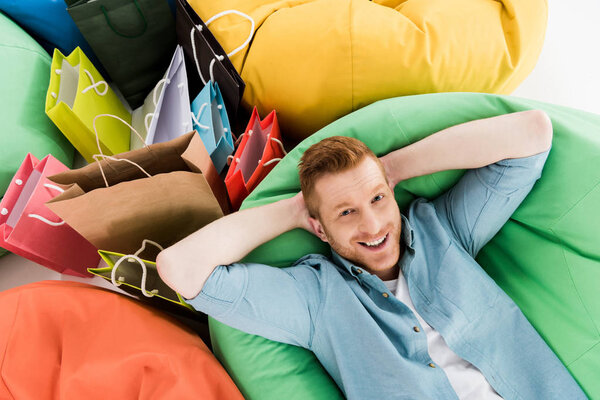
x=186 y=265
x=302 y=212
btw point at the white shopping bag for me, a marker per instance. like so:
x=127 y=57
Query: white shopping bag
x=165 y=113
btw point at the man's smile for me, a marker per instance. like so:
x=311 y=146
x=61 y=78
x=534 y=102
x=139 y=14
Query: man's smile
x=376 y=244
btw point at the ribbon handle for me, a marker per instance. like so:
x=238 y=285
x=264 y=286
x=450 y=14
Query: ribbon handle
x=110 y=25
x=218 y=56
x=135 y=258
x=39 y=217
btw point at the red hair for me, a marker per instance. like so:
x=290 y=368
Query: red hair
x=330 y=155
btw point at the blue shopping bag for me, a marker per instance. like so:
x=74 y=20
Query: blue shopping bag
x=210 y=120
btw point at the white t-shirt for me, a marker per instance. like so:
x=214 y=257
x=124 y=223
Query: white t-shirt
x=466 y=380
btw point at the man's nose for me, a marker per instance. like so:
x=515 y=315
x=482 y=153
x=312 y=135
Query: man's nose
x=369 y=222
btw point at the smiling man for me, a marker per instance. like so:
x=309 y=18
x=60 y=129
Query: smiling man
x=401 y=310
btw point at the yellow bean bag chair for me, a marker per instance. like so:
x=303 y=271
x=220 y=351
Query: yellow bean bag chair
x=315 y=61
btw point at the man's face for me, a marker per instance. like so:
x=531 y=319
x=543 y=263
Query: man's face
x=359 y=217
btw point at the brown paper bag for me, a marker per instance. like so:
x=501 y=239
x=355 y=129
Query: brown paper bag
x=178 y=198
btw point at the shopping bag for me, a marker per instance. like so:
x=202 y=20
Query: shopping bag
x=133 y=39
x=76 y=94
x=165 y=113
x=160 y=192
x=259 y=151
x=141 y=275
x=28 y=228
x=206 y=58
x=211 y=122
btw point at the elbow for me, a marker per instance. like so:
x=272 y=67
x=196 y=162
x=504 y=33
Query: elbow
x=171 y=269
x=165 y=266
x=541 y=129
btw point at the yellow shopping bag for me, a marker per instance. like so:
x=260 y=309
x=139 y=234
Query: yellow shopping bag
x=140 y=278
x=76 y=94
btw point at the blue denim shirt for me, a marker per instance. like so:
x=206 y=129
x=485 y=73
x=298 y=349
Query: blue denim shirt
x=365 y=337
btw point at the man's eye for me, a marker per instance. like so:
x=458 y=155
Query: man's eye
x=345 y=212
x=377 y=198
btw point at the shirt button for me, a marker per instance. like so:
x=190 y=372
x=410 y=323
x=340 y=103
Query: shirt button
x=416 y=329
x=432 y=365
x=385 y=295
x=358 y=271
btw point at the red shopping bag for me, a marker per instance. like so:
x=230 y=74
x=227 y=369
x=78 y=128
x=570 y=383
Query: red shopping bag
x=257 y=155
x=28 y=228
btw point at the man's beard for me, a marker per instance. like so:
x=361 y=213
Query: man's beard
x=350 y=254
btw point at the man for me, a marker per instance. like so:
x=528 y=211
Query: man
x=401 y=310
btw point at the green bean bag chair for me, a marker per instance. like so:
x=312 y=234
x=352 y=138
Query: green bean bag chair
x=24 y=78
x=546 y=257
x=25 y=128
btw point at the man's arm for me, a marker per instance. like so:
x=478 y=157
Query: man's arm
x=186 y=265
x=472 y=144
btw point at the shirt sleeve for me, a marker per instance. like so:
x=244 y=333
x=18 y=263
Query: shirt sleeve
x=279 y=304
x=483 y=200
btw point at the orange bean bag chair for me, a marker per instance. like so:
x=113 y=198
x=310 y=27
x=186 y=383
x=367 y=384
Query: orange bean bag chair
x=71 y=340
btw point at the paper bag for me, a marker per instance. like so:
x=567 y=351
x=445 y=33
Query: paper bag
x=211 y=122
x=162 y=193
x=133 y=39
x=28 y=228
x=258 y=153
x=130 y=271
x=165 y=113
x=206 y=59
x=76 y=95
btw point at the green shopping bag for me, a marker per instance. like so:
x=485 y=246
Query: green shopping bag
x=133 y=39
x=139 y=277
x=76 y=95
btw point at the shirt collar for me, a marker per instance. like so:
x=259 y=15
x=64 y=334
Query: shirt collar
x=407 y=236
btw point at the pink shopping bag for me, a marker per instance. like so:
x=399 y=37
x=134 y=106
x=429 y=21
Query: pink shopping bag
x=28 y=228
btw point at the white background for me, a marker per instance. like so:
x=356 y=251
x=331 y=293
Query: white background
x=567 y=73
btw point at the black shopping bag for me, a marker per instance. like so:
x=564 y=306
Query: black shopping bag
x=133 y=39
x=206 y=58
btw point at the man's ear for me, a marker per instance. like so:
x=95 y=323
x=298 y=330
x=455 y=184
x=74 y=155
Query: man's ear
x=317 y=228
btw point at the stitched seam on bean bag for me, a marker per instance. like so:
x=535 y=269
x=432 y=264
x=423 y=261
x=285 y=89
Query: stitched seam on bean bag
x=559 y=238
x=575 y=287
x=583 y=354
x=43 y=55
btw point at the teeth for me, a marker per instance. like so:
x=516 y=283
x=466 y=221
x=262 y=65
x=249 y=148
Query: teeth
x=375 y=242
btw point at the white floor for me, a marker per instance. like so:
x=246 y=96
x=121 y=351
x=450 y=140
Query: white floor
x=566 y=74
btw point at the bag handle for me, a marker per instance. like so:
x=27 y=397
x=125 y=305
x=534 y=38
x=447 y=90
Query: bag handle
x=237 y=160
x=96 y=156
x=196 y=118
x=164 y=82
x=104 y=11
x=101 y=155
x=199 y=27
x=131 y=258
x=94 y=84
x=241 y=14
x=44 y=220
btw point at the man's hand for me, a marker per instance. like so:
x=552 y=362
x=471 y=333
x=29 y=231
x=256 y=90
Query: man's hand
x=186 y=265
x=302 y=214
x=387 y=167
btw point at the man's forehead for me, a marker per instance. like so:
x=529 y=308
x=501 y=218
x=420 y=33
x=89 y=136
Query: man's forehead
x=342 y=187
